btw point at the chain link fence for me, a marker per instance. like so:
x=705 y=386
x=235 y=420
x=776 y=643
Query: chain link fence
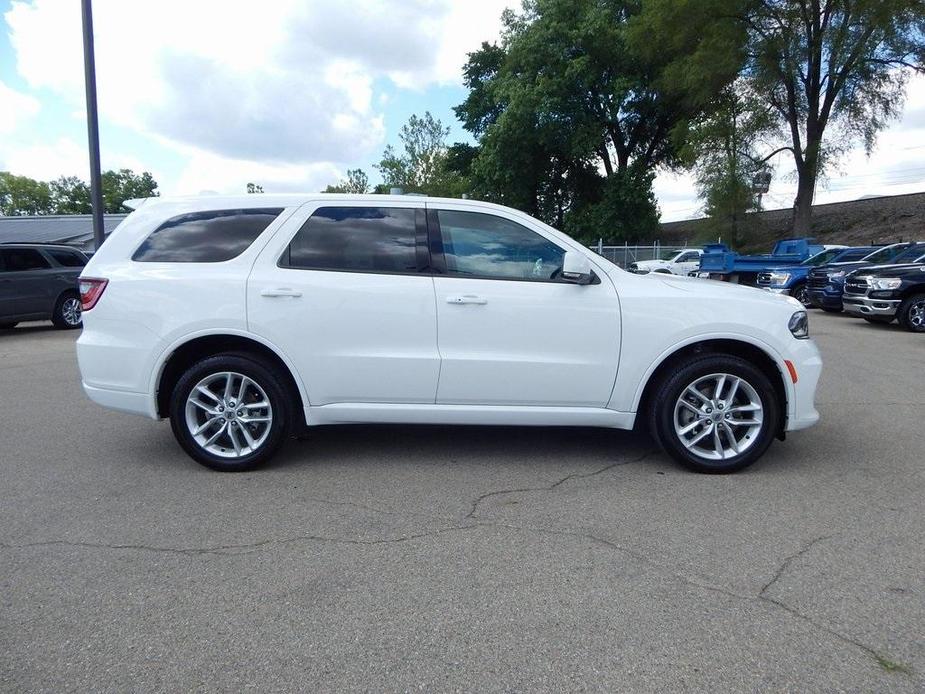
x=631 y=253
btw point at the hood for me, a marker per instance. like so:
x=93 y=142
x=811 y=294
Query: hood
x=712 y=289
x=903 y=269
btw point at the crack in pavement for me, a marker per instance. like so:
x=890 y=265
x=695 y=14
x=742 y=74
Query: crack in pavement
x=789 y=560
x=573 y=476
x=667 y=572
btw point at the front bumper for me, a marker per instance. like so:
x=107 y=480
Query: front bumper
x=807 y=362
x=863 y=305
x=823 y=298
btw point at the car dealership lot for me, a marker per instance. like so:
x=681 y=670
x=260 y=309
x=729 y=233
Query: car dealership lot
x=405 y=558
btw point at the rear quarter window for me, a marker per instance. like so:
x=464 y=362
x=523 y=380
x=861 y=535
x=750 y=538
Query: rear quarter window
x=205 y=237
x=67 y=258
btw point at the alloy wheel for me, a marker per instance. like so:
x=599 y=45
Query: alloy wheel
x=718 y=416
x=70 y=311
x=917 y=314
x=229 y=415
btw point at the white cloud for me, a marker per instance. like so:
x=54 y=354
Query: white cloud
x=16 y=108
x=281 y=82
x=64 y=157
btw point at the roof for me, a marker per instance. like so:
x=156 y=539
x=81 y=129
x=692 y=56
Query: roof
x=71 y=230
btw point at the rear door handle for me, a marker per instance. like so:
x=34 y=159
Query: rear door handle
x=280 y=291
x=466 y=299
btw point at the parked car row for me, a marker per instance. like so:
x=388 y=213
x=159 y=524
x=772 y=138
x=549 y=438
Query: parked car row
x=40 y=282
x=877 y=283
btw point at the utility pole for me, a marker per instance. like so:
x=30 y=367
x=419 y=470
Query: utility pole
x=93 y=126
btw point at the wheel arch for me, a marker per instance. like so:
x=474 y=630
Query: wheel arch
x=186 y=353
x=755 y=354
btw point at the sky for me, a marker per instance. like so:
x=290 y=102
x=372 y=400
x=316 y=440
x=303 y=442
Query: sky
x=209 y=95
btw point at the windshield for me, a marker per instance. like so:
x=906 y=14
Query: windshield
x=880 y=256
x=910 y=255
x=822 y=258
x=669 y=255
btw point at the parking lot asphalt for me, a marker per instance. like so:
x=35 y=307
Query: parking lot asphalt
x=443 y=558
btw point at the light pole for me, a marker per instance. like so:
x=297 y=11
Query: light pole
x=93 y=126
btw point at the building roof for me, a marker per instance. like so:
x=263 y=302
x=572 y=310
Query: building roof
x=72 y=230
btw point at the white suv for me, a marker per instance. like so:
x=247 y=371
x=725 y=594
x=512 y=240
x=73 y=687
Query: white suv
x=245 y=319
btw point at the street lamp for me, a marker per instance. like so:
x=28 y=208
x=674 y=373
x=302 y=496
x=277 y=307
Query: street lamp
x=93 y=126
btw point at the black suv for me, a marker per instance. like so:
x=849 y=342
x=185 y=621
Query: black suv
x=39 y=282
x=883 y=293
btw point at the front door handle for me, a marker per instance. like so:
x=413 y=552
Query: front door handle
x=466 y=299
x=280 y=291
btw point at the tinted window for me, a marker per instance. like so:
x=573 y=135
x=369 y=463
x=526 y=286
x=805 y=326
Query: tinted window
x=854 y=254
x=688 y=257
x=910 y=255
x=22 y=259
x=205 y=237
x=484 y=245
x=357 y=239
x=67 y=258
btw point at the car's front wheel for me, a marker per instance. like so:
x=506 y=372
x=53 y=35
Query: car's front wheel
x=716 y=414
x=799 y=293
x=912 y=313
x=230 y=412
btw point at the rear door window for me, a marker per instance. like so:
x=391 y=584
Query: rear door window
x=356 y=239
x=66 y=258
x=205 y=237
x=23 y=259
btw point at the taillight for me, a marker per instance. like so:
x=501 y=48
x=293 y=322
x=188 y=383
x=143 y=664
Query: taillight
x=91 y=289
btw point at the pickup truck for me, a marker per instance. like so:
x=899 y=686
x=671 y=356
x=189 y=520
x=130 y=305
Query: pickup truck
x=882 y=293
x=718 y=262
x=792 y=279
x=825 y=284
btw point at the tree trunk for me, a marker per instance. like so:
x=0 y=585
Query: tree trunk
x=803 y=206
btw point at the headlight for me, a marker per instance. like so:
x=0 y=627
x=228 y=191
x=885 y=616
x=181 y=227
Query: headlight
x=799 y=325
x=836 y=275
x=885 y=282
x=779 y=277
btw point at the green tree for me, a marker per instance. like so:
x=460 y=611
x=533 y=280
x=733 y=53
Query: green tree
x=356 y=182
x=832 y=64
x=253 y=188
x=70 y=195
x=21 y=195
x=572 y=119
x=834 y=72
x=124 y=184
x=723 y=149
x=420 y=164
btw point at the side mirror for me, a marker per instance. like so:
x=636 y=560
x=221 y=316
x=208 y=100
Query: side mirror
x=576 y=268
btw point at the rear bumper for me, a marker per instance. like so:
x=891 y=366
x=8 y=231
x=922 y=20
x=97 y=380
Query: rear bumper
x=864 y=306
x=121 y=400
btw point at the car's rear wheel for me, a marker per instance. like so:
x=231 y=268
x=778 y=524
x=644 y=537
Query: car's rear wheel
x=912 y=313
x=717 y=414
x=230 y=412
x=67 y=313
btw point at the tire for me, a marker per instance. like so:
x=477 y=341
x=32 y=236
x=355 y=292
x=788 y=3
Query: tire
x=66 y=315
x=799 y=293
x=234 y=447
x=912 y=313
x=883 y=320
x=8 y=326
x=754 y=430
